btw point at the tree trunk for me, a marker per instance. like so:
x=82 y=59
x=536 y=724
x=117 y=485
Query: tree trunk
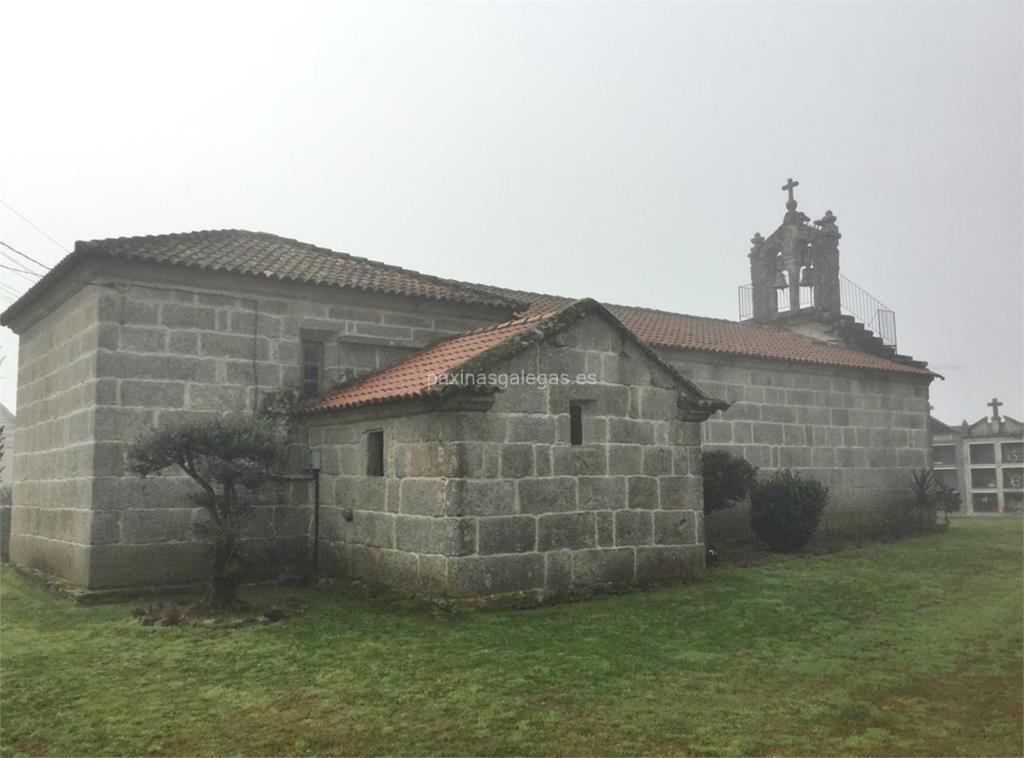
x=224 y=580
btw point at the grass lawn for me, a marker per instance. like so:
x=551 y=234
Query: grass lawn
x=901 y=649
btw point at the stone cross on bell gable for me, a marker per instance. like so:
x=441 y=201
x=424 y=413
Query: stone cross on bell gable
x=994 y=405
x=789 y=186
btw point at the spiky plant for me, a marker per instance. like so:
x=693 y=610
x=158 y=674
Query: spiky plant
x=925 y=496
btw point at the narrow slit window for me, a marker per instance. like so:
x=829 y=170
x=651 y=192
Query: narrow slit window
x=312 y=367
x=575 y=424
x=375 y=453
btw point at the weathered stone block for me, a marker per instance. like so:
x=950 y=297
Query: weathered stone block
x=153 y=394
x=517 y=460
x=112 y=424
x=675 y=527
x=605 y=528
x=422 y=497
x=606 y=566
x=157 y=525
x=179 y=316
x=767 y=434
x=657 y=460
x=531 y=429
x=578 y=460
x=496 y=574
x=480 y=497
x=372 y=529
x=547 y=495
x=598 y=399
x=507 y=534
x=134 y=565
x=432 y=535
x=657 y=403
x=662 y=562
x=625 y=459
x=632 y=431
x=183 y=343
x=642 y=492
x=233 y=346
x=792 y=457
x=793 y=435
x=143 y=339
x=601 y=493
x=633 y=527
x=572 y=531
x=558 y=571
x=681 y=492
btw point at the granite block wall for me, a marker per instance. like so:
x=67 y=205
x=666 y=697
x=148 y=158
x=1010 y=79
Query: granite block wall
x=495 y=501
x=860 y=433
x=141 y=345
x=52 y=522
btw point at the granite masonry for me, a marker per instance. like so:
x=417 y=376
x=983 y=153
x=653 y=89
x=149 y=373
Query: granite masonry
x=861 y=434
x=481 y=492
x=484 y=495
x=140 y=345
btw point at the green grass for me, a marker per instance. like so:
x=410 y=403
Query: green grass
x=898 y=649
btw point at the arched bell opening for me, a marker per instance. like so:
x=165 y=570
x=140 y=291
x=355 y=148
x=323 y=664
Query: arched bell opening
x=807 y=286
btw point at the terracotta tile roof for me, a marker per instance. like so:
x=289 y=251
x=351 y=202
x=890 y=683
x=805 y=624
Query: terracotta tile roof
x=478 y=350
x=756 y=340
x=665 y=329
x=409 y=378
x=271 y=257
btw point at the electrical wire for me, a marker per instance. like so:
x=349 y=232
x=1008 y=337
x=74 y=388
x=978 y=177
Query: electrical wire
x=24 y=255
x=27 y=221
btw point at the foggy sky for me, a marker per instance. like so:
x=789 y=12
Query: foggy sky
x=623 y=152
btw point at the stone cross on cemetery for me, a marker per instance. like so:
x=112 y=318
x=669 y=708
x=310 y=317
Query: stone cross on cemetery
x=994 y=405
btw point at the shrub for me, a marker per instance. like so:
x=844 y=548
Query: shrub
x=727 y=479
x=225 y=456
x=785 y=509
x=926 y=498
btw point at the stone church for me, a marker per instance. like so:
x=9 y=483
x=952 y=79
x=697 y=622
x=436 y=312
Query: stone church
x=473 y=440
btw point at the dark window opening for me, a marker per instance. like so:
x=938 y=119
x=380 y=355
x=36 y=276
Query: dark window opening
x=375 y=453
x=575 y=424
x=312 y=367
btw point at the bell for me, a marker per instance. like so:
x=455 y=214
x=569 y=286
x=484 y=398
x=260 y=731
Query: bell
x=780 y=281
x=807 y=277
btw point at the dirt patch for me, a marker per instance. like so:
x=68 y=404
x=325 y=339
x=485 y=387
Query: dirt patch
x=184 y=612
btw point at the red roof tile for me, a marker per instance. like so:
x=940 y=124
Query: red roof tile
x=416 y=376
x=410 y=378
x=679 y=330
x=267 y=256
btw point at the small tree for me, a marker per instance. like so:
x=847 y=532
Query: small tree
x=223 y=455
x=727 y=479
x=785 y=509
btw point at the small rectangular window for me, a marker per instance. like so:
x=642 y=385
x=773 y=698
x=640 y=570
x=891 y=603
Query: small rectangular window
x=312 y=367
x=375 y=453
x=575 y=424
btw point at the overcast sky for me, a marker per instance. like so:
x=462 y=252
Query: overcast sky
x=626 y=152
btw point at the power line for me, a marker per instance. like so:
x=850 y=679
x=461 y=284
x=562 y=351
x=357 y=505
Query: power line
x=27 y=221
x=19 y=270
x=15 y=261
x=24 y=255
x=5 y=287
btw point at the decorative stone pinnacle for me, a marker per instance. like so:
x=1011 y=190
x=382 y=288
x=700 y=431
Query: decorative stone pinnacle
x=757 y=239
x=828 y=220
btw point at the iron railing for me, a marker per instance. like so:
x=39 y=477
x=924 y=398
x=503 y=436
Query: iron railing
x=868 y=310
x=854 y=300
